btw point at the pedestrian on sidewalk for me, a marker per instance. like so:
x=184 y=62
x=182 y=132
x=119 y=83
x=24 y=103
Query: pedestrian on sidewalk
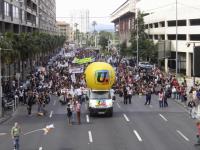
x=78 y=111
x=15 y=134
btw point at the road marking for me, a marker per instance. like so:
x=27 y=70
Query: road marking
x=87 y=119
x=2 y=134
x=137 y=135
x=127 y=119
x=181 y=134
x=90 y=136
x=51 y=113
x=118 y=105
x=40 y=148
x=163 y=117
x=54 y=103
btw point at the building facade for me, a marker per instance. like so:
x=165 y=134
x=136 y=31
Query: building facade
x=123 y=19
x=65 y=29
x=161 y=26
x=27 y=16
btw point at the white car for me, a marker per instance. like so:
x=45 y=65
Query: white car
x=145 y=65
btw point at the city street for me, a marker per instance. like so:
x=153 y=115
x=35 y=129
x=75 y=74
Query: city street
x=133 y=126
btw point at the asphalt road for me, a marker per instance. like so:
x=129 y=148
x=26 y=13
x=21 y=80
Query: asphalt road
x=132 y=127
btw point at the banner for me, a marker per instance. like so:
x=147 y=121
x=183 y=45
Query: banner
x=83 y=61
x=76 y=70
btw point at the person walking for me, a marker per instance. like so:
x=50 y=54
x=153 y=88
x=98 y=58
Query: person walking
x=160 y=98
x=15 y=134
x=129 y=96
x=148 y=97
x=78 y=111
x=69 y=114
x=191 y=106
x=30 y=101
x=125 y=94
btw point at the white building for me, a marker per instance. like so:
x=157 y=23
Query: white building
x=161 y=25
x=81 y=17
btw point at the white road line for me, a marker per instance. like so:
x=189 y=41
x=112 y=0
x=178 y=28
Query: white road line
x=127 y=119
x=181 y=134
x=90 y=136
x=51 y=113
x=87 y=119
x=40 y=148
x=118 y=105
x=54 y=103
x=2 y=134
x=137 y=135
x=163 y=117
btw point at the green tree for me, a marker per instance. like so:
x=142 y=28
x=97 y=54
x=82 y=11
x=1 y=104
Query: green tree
x=103 y=38
x=147 y=49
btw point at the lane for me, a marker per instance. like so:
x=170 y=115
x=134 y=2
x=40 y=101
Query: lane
x=112 y=133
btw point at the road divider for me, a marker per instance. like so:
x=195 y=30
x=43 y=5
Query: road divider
x=137 y=135
x=127 y=119
x=182 y=135
x=90 y=136
x=163 y=117
x=87 y=119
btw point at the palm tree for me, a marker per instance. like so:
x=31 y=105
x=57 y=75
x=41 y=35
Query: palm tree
x=94 y=23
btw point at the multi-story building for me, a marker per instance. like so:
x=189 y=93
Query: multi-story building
x=81 y=18
x=65 y=29
x=123 y=18
x=27 y=16
x=161 y=27
x=47 y=15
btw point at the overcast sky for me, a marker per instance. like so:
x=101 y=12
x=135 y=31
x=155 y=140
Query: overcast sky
x=103 y=8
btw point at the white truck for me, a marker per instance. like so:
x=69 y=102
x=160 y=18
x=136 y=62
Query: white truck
x=100 y=102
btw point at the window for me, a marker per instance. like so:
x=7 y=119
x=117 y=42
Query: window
x=172 y=23
x=195 y=22
x=15 y=12
x=162 y=24
x=195 y=37
x=6 y=9
x=173 y=37
x=156 y=37
x=155 y=25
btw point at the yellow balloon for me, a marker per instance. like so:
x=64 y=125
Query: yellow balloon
x=100 y=76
